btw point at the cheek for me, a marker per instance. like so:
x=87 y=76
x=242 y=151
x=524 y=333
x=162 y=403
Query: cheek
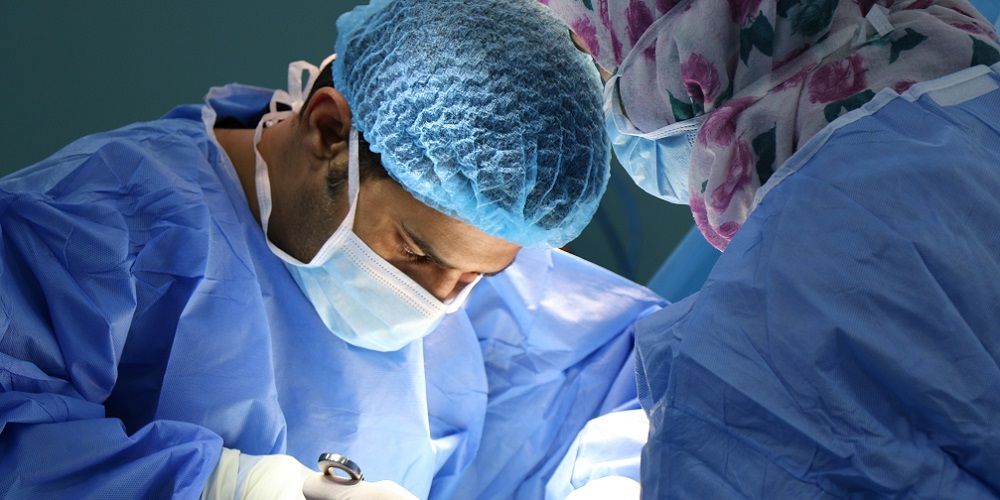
x=386 y=245
x=380 y=242
x=375 y=230
x=421 y=273
x=415 y=272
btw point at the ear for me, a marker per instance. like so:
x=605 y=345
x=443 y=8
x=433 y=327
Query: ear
x=326 y=121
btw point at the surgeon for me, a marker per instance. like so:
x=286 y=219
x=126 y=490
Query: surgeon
x=845 y=156
x=362 y=264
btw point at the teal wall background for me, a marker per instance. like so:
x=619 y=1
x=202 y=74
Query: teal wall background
x=68 y=69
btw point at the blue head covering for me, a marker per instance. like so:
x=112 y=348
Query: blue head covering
x=483 y=110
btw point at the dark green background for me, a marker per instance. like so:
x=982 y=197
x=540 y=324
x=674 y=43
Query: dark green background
x=69 y=69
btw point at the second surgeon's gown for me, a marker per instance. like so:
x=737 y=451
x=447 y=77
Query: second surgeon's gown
x=144 y=324
x=847 y=343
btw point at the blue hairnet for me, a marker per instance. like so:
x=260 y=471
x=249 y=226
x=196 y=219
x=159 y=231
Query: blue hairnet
x=483 y=110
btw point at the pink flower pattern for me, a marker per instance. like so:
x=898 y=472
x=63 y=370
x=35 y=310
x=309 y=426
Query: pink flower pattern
x=638 y=18
x=700 y=78
x=903 y=86
x=650 y=52
x=664 y=6
x=738 y=47
x=720 y=126
x=737 y=175
x=864 y=6
x=728 y=229
x=973 y=28
x=838 y=80
x=616 y=44
x=700 y=213
x=920 y=5
x=795 y=80
x=743 y=11
x=588 y=33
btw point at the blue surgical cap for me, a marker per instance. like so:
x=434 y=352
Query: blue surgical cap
x=484 y=110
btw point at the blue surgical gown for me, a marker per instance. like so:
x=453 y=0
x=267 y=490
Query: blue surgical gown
x=144 y=324
x=847 y=343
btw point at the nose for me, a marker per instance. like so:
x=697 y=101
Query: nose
x=446 y=284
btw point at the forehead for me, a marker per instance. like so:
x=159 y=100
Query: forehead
x=454 y=241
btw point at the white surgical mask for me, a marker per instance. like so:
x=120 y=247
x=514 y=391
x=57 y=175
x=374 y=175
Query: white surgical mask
x=361 y=298
x=660 y=161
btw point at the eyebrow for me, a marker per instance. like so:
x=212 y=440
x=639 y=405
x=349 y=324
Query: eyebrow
x=428 y=250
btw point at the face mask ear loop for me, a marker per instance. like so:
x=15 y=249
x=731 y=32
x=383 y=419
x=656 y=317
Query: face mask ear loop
x=329 y=59
x=299 y=92
x=296 y=91
x=279 y=97
x=609 y=89
x=353 y=178
x=293 y=97
x=613 y=109
x=261 y=180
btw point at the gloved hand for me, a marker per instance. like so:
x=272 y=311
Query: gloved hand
x=278 y=477
x=319 y=487
x=607 y=487
x=282 y=477
x=239 y=476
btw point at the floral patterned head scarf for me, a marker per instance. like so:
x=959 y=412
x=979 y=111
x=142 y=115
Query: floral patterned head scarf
x=769 y=74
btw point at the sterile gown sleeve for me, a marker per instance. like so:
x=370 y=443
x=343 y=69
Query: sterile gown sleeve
x=846 y=343
x=69 y=300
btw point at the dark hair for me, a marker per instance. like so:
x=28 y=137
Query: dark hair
x=369 y=163
x=369 y=167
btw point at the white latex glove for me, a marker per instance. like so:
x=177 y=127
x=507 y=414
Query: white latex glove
x=282 y=477
x=617 y=487
x=248 y=477
x=276 y=477
x=318 y=487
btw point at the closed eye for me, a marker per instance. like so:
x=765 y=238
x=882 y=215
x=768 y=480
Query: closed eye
x=415 y=257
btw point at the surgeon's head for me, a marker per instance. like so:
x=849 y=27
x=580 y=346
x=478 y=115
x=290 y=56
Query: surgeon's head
x=483 y=133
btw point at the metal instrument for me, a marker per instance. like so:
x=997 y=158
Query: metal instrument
x=340 y=469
